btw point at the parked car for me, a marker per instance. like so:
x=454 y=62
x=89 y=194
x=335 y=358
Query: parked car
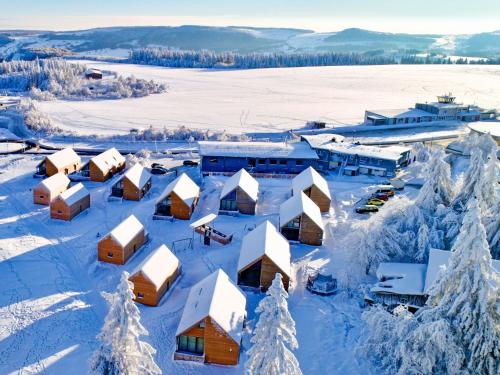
x=387 y=190
x=155 y=165
x=366 y=209
x=190 y=163
x=381 y=196
x=159 y=170
x=375 y=202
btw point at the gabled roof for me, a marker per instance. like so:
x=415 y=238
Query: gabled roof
x=219 y=298
x=400 y=278
x=297 y=205
x=74 y=194
x=158 y=266
x=64 y=157
x=125 y=232
x=307 y=178
x=183 y=187
x=265 y=240
x=138 y=175
x=243 y=180
x=108 y=159
x=54 y=182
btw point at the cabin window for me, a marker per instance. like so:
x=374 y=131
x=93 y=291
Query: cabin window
x=182 y=345
x=295 y=223
x=299 y=162
x=110 y=255
x=213 y=161
x=200 y=345
x=59 y=211
x=140 y=295
x=273 y=161
x=228 y=203
x=202 y=324
x=191 y=344
x=282 y=162
x=251 y=162
x=41 y=196
x=262 y=161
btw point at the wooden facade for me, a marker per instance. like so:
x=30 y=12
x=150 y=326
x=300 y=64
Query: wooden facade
x=131 y=192
x=318 y=197
x=99 y=175
x=261 y=274
x=110 y=251
x=59 y=209
x=174 y=206
x=146 y=292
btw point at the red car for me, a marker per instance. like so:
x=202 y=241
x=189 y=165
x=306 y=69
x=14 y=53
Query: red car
x=381 y=196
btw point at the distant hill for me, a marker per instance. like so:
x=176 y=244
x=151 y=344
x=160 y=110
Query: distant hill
x=117 y=41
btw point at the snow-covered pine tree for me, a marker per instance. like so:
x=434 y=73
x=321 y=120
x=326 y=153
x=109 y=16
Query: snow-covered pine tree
x=485 y=189
x=458 y=328
x=492 y=227
x=274 y=331
x=121 y=351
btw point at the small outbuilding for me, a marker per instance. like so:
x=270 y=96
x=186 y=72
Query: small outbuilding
x=92 y=73
x=70 y=203
x=179 y=198
x=312 y=184
x=212 y=322
x=49 y=188
x=134 y=185
x=155 y=276
x=239 y=194
x=300 y=220
x=264 y=252
x=104 y=166
x=65 y=161
x=122 y=242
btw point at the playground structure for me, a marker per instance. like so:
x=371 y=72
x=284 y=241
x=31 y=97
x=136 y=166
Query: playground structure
x=208 y=232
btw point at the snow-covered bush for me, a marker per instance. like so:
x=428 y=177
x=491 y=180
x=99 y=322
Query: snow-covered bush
x=121 y=351
x=35 y=120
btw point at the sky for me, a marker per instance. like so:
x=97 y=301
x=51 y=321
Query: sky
x=415 y=16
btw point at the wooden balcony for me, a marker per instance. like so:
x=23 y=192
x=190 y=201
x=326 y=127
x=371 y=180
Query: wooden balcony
x=193 y=357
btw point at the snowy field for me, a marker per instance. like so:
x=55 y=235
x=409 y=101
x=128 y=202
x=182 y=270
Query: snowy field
x=50 y=303
x=272 y=100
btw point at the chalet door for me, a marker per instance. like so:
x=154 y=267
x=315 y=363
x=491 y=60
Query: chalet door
x=164 y=209
x=117 y=189
x=251 y=276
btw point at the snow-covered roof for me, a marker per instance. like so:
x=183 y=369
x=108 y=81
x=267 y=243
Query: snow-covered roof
x=297 y=205
x=92 y=70
x=55 y=182
x=218 y=297
x=125 y=232
x=158 y=266
x=74 y=194
x=108 y=159
x=183 y=187
x=399 y=113
x=307 y=178
x=400 y=278
x=279 y=150
x=265 y=240
x=204 y=220
x=492 y=127
x=243 y=180
x=320 y=139
x=64 y=157
x=138 y=175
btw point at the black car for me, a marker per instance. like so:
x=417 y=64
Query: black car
x=190 y=163
x=158 y=169
x=366 y=209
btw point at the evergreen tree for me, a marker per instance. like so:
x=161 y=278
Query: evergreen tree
x=121 y=351
x=493 y=230
x=274 y=331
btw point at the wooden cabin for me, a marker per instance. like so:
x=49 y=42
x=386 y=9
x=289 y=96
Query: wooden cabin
x=104 y=166
x=92 y=73
x=155 y=276
x=46 y=191
x=264 y=253
x=312 y=184
x=134 y=185
x=65 y=161
x=70 y=203
x=122 y=242
x=212 y=322
x=300 y=220
x=239 y=194
x=179 y=198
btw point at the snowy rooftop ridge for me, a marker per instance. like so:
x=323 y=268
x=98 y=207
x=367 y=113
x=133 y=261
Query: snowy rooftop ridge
x=307 y=178
x=243 y=180
x=283 y=150
x=64 y=157
x=125 y=232
x=265 y=240
x=297 y=205
x=400 y=278
x=185 y=188
x=138 y=175
x=218 y=297
x=54 y=182
x=158 y=266
x=107 y=159
x=74 y=194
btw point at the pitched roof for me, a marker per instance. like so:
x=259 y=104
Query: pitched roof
x=265 y=240
x=108 y=159
x=138 y=175
x=125 y=232
x=219 y=298
x=158 y=266
x=183 y=187
x=243 y=180
x=64 y=157
x=307 y=178
x=279 y=150
x=54 y=182
x=400 y=278
x=74 y=194
x=297 y=205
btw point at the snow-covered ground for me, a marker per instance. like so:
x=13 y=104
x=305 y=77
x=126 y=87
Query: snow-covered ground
x=50 y=303
x=272 y=100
